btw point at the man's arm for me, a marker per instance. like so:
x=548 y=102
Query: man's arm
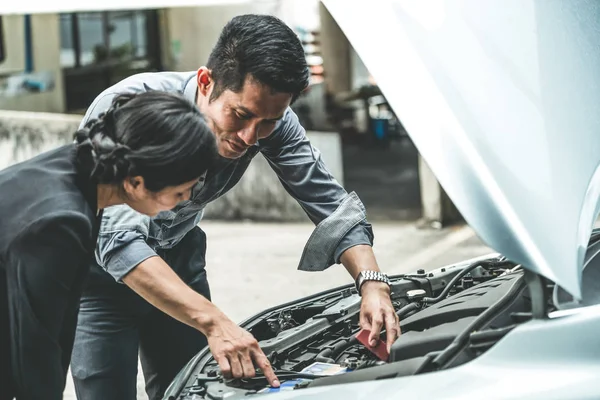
x=346 y=237
x=232 y=347
x=376 y=309
x=304 y=175
x=123 y=252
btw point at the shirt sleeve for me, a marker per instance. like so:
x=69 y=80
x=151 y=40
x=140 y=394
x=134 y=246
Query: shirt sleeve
x=340 y=217
x=100 y=105
x=122 y=241
x=104 y=101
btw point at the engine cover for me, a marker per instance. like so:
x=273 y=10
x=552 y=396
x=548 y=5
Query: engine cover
x=418 y=343
x=435 y=327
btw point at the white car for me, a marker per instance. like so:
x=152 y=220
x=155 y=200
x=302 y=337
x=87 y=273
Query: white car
x=502 y=99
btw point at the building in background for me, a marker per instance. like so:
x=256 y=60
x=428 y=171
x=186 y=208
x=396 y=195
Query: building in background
x=63 y=60
x=98 y=49
x=59 y=62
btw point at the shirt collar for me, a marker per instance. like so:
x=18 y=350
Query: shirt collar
x=189 y=92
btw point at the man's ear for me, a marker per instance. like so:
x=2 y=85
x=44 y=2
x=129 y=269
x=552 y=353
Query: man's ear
x=205 y=81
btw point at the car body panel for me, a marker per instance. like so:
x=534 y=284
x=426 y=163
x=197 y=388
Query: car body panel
x=501 y=98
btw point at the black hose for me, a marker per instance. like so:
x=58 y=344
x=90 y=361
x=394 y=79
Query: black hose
x=492 y=334
x=407 y=309
x=325 y=356
x=330 y=354
x=324 y=359
x=457 y=277
x=459 y=342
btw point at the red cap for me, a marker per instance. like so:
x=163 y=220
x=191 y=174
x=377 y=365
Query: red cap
x=380 y=350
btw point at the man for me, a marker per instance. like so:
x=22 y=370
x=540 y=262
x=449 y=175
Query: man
x=149 y=289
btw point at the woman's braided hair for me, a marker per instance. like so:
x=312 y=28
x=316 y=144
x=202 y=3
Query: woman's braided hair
x=160 y=136
x=108 y=158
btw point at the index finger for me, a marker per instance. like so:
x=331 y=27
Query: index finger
x=376 y=325
x=392 y=328
x=263 y=363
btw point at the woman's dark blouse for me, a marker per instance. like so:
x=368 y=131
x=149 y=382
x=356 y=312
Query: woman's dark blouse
x=48 y=213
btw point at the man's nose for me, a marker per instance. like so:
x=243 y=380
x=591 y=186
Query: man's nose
x=249 y=134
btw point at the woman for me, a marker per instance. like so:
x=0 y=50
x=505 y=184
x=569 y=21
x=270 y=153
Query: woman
x=147 y=151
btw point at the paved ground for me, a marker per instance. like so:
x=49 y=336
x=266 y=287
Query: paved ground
x=253 y=266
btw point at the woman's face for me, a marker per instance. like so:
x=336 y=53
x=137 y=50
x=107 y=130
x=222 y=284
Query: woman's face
x=150 y=203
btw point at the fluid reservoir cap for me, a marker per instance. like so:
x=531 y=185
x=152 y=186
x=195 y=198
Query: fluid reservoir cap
x=416 y=294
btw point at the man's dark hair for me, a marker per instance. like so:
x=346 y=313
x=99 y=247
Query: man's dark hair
x=263 y=48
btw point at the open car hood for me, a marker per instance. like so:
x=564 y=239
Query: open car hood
x=501 y=98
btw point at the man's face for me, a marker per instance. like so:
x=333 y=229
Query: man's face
x=239 y=120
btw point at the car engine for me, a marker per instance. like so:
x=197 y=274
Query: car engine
x=448 y=316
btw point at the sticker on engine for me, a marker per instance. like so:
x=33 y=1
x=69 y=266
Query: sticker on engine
x=285 y=386
x=320 y=368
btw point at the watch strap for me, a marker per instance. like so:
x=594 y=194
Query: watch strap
x=369 y=275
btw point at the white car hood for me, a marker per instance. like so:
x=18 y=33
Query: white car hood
x=502 y=99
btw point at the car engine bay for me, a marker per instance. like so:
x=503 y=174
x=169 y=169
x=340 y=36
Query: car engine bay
x=448 y=317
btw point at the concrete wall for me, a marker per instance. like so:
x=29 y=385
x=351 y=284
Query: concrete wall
x=46 y=57
x=25 y=134
x=258 y=196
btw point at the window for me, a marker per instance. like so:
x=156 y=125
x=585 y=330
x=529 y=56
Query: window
x=92 y=43
x=100 y=48
x=67 y=46
x=140 y=35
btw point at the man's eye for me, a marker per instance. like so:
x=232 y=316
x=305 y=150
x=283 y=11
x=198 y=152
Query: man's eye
x=242 y=116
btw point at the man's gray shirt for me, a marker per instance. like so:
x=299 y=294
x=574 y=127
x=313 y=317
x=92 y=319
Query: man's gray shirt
x=127 y=237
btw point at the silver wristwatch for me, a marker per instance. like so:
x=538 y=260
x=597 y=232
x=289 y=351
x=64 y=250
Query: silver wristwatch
x=370 y=276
